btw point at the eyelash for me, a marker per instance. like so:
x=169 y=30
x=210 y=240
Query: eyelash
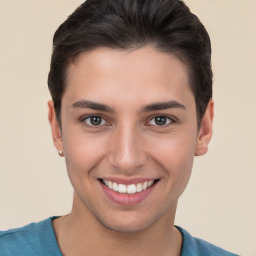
x=169 y=119
x=83 y=120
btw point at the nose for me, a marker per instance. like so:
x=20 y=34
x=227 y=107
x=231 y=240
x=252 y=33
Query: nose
x=127 y=152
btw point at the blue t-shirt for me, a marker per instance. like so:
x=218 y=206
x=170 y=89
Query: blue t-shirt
x=38 y=239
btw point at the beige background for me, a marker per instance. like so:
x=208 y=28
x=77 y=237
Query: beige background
x=220 y=202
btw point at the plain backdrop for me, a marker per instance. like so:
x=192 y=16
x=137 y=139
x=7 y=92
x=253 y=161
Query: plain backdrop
x=219 y=204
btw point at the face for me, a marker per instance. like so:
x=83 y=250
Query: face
x=129 y=134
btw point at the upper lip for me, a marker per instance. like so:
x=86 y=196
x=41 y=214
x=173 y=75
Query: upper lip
x=126 y=181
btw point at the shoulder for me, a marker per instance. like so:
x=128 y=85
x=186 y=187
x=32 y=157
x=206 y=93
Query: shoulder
x=13 y=241
x=33 y=239
x=197 y=247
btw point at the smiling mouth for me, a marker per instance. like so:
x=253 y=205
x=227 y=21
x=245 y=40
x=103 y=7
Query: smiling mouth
x=128 y=189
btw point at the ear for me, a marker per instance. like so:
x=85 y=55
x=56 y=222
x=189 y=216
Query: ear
x=205 y=131
x=55 y=127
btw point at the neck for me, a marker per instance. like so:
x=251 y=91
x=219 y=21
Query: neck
x=80 y=232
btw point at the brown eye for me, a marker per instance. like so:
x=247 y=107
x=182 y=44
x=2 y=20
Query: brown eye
x=160 y=120
x=94 y=121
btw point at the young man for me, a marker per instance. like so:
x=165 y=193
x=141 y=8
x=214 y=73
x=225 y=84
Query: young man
x=131 y=87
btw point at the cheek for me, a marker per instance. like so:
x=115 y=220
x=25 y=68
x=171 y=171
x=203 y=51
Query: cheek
x=174 y=148
x=82 y=152
x=176 y=155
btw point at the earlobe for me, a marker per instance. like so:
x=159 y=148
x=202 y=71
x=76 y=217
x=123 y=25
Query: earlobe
x=205 y=131
x=55 y=127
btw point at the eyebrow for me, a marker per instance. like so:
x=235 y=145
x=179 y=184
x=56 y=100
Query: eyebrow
x=163 y=105
x=92 y=105
x=151 y=107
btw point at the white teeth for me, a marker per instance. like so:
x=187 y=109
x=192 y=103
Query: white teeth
x=115 y=186
x=129 y=189
x=145 y=185
x=122 y=188
x=150 y=183
x=110 y=185
x=139 y=187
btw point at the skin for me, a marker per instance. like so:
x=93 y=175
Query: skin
x=127 y=144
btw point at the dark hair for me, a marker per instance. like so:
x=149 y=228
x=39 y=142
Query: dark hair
x=167 y=25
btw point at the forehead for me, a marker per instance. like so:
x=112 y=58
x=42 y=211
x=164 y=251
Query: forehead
x=140 y=61
x=143 y=74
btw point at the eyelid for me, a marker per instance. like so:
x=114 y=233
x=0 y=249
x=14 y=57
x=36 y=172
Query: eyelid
x=172 y=119
x=83 y=118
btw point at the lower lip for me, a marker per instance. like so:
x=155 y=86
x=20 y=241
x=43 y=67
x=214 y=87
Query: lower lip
x=127 y=199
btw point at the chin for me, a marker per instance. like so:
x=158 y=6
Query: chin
x=125 y=227
x=128 y=224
